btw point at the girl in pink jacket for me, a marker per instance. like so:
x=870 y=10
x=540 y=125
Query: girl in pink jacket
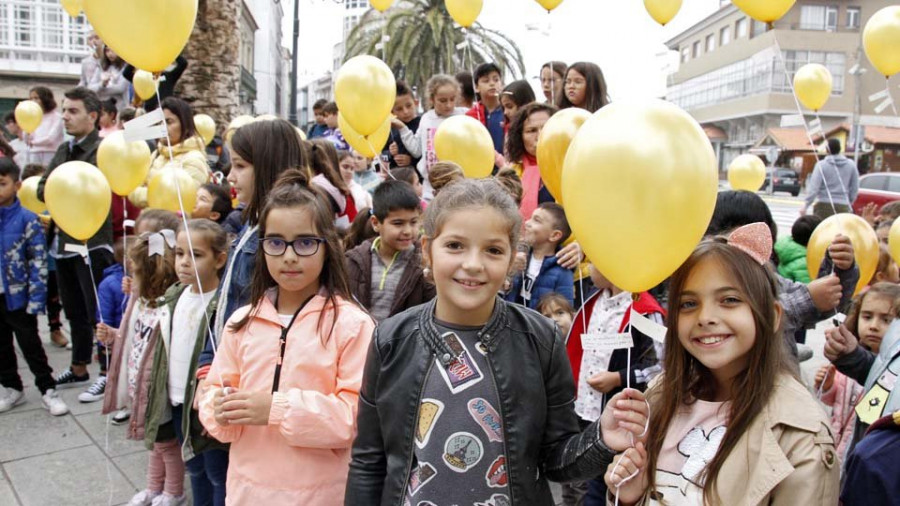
x=284 y=384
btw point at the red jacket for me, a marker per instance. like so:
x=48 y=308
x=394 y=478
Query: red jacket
x=645 y=305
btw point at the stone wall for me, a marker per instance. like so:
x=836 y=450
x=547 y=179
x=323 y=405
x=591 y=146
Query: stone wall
x=212 y=79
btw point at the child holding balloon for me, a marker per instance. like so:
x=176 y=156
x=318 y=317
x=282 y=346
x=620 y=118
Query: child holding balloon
x=442 y=91
x=288 y=404
x=469 y=399
x=730 y=422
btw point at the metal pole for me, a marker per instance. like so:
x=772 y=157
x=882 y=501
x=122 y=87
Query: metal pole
x=857 y=106
x=292 y=115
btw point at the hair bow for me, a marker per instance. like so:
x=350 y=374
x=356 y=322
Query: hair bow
x=156 y=243
x=754 y=239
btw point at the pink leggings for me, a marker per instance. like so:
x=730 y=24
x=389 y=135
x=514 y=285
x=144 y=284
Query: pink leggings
x=165 y=470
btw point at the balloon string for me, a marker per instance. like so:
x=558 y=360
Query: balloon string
x=468 y=51
x=552 y=72
x=583 y=298
x=808 y=134
x=376 y=157
x=187 y=233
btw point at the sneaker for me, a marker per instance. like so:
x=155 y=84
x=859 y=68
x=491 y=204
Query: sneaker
x=54 y=404
x=169 y=500
x=121 y=416
x=58 y=339
x=144 y=498
x=10 y=399
x=68 y=379
x=95 y=392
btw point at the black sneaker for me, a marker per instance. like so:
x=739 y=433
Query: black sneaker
x=68 y=380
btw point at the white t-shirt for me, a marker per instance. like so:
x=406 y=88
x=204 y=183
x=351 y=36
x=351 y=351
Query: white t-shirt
x=531 y=274
x=186 y=322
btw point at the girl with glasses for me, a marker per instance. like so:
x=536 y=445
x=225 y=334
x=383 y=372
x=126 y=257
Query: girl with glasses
x=283 y=387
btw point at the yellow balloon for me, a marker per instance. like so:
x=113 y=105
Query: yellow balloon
x=766 y=11
x=549 y=4
x=746 y=172
x=29 y=115
x=464 y=12
x=28 y=195
x=662 y=10
x=148 y=34
x=72 y=7
x=893 y=241
x=465 y=141
x=368 y=146
x=365 y=90
x=812 y=84
x=206 y=127
x=881 y=39
x=125 y=164
x=381 y=5
x=78 y=198
x=862 y=236
x=553 y=143
x=144 y=84
x=163 y=189
x=639 y=183
x=237 y=122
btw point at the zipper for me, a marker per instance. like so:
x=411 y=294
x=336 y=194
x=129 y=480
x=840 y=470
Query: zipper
x=412 y=440
x=502 y=419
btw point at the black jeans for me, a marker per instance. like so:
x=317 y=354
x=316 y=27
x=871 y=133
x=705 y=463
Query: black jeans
x=207 y=470
x=77 y=290
x=25 y=327
x=54 y=308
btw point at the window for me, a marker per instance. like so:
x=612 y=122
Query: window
x=759 y=28
x=819 y=17
x=724 y=36
x=740 y=28
x=24 y=29
x=873 y=182
x=710 y=43
x=831 y=18
x=893 y=184
x=853 y=18
x=695 y=50
x=685 y=54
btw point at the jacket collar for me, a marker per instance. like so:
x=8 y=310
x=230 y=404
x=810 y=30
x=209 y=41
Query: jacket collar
x=487 y=335
x=11 y=209
x=267 y=311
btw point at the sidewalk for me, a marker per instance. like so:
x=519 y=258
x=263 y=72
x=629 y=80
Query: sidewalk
x=47 y=460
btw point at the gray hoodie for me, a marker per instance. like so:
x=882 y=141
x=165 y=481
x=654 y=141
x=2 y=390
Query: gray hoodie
x=837 y=175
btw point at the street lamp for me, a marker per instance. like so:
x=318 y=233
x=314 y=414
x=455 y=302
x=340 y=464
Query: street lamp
x=857 y=71
x=292 y=115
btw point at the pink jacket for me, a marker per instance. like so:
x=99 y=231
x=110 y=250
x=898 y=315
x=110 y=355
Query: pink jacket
x=303 y=455
x=842 y=397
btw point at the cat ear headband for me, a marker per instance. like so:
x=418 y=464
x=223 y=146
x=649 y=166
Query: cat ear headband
x=754 y=239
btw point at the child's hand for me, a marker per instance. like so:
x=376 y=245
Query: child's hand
x=126 y=285
x=826 y=374
x=839 y=342
x=624 y=419
x=841 y=252
x=826 y=292
x=396 y=123
x=569 y=256
x=248 y=408
x=634 y=460
x=605 y=381
x=403 y=160
x=199 y=393
x=105 y=334
x=219 y=407
x=869 y=214
x=520 y=262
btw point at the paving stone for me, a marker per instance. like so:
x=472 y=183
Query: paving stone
x=96 y=427
x=30 y=433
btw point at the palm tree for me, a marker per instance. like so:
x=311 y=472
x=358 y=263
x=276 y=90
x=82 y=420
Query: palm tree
x=424 y=40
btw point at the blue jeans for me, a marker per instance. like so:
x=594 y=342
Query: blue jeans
x=207 y=470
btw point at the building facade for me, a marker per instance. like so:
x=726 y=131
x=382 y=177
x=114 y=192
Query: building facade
x=735 y=73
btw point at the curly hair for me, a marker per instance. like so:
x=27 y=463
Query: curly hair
x=515 y=146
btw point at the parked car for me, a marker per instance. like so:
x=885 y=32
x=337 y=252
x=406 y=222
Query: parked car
x=879 y=187
x=786 y=180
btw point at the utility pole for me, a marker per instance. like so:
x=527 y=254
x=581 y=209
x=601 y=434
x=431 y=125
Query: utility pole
x=292 y=115
x=857 y=71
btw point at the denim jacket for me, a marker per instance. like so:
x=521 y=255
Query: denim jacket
x=23 y=265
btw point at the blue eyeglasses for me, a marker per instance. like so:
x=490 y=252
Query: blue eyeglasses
x=303 y=246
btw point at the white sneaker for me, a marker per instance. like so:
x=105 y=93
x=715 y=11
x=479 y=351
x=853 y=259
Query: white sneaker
x=10 y=399
x=54 y=404
x=169 y=500
x=144 y=498
x=95 y=392
x=121 y=416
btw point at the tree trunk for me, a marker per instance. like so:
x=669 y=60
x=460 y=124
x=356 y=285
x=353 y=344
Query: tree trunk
x=212 y=79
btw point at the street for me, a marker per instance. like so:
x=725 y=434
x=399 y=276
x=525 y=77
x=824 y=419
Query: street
x=785 y=210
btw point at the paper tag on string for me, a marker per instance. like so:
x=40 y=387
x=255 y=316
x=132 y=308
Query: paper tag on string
x=128 y=224
x=648 y=327
x=81 y=249
x=884 y=105
x=792 y=120
x=462 y=44
x=147 y=127
x=614 y=341
x=881 y=95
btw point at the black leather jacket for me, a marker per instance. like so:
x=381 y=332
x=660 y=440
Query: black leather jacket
x=537 y=396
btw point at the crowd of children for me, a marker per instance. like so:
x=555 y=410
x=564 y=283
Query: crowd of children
x=327 y=329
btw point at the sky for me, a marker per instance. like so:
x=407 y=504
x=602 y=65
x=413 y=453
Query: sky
x=618 y=35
